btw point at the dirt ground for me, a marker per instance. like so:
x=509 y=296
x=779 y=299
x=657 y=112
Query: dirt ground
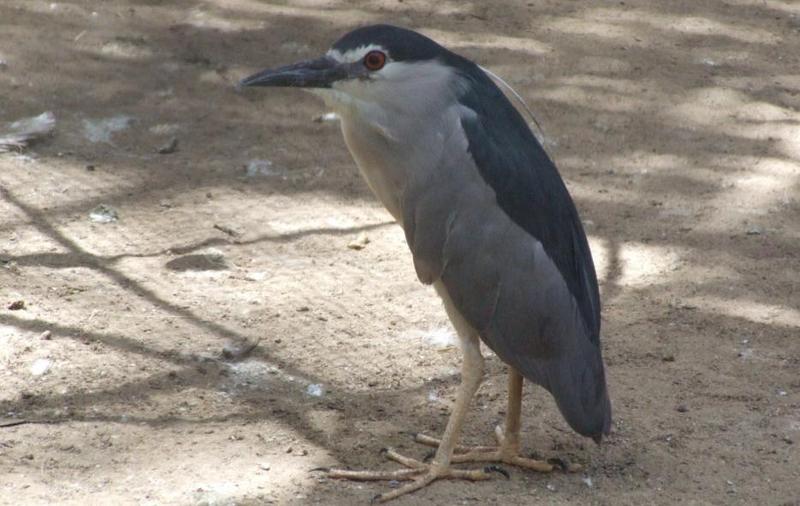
x=675 y=124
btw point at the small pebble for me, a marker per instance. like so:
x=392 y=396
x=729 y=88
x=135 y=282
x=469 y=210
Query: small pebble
x=16 y=305
x=103 y=214
x=328 y=116
x=315 y=390
x=40 y=366
x=45 y=336
x=682 y=408
x=359 y=242
x=170 y=147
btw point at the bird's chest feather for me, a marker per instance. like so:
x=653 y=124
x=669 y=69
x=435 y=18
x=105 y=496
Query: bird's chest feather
x=393 y=159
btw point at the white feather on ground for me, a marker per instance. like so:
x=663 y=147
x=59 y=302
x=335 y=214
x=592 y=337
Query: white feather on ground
x=22 y=132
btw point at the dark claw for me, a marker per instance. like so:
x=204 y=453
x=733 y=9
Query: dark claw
x=497 y=469
x=429 y=456
x=321 y=469
x=559 y=463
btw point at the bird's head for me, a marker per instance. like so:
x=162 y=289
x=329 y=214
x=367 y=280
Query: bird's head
x=380 y=65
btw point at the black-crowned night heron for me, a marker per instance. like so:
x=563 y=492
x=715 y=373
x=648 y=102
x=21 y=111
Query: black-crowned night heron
x=489 y=223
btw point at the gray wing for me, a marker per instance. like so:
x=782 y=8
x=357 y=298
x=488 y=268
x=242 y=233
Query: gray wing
x=507 y=283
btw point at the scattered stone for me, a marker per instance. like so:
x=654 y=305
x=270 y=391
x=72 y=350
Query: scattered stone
x=45 y=336
x=587 y=480
x=315 y=390
x=21 y=133
x=238 y=350
x=264 y=466
x=100 y=130
x=16 y=305
x=328 y=116
x=359 y=242
x=550 y=487
x=668 y=358
x=90 y=167
x=103 y=214
x=41 y=366
x=211 y=260
x=682 y=408
x=165 y=128
x=303 y=309
x=227 y=230
x=169 y=147
x=755 y=230
x=256 y=168
x=256 y=276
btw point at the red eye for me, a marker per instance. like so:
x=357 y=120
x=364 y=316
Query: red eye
x=375 y=60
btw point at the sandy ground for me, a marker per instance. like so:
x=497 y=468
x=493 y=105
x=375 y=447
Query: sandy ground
x=676 y=125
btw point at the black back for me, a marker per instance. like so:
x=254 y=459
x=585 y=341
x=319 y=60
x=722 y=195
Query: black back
x=529 y=188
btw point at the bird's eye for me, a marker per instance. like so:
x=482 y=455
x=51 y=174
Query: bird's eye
x=375 y=60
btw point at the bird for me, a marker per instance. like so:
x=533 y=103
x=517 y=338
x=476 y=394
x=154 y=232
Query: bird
x=489 y=223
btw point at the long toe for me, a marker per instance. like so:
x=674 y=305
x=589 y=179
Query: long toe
x=503 y=453
x=419 y=474
x=434 y=473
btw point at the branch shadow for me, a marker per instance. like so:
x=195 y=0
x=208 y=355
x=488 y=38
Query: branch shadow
x=633 y=121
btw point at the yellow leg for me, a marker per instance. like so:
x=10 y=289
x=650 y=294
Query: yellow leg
x=419 y=473
x=507 y=449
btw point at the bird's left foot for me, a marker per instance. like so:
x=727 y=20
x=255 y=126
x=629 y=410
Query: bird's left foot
x=418 y=473
x=506 y=452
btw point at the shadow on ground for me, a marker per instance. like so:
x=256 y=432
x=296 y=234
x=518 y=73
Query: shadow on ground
x=676 y=127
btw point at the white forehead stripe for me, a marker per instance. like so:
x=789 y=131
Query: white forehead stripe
x=354 y=55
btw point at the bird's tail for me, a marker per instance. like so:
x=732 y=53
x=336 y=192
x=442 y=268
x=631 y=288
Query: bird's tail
x=578 y=385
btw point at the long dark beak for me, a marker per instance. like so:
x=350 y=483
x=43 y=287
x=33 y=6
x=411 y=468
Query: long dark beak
x=319 y=73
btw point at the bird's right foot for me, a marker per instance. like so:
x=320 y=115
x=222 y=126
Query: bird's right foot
x=419 y=474
x=506 y=452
